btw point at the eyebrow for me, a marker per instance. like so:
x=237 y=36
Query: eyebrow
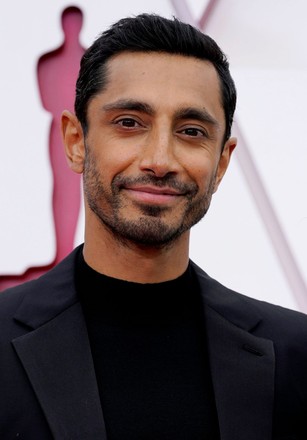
x=201 y=115
x=129 y=104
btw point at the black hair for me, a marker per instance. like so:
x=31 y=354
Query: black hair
x=150 y=33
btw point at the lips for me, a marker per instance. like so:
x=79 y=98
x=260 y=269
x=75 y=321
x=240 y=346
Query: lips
x=153 y=195
x=155 y=190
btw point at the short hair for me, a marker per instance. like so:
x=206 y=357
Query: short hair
x=150 y=33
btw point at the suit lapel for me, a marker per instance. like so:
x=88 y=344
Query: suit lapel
x=242 y=364
x=242 y=367
x=57 y=359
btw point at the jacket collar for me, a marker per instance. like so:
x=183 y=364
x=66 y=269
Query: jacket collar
x=50 y=294
x=242 y=364
x=56 y=355
x=57 y=359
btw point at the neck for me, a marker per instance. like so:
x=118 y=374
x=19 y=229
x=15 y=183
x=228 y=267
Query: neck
x=132 y=262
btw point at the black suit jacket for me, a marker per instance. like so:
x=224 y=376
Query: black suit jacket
x=48 y=390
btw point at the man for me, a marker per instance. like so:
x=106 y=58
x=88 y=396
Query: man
x=127 y=338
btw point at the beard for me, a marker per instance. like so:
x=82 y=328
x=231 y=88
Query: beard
x=149 y=229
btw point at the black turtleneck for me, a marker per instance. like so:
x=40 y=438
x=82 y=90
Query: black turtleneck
x=149 y=350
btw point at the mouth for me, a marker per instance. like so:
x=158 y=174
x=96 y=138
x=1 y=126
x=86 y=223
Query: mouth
x=153 y=194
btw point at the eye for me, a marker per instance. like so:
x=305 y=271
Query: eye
x=194 y=132
x=127 y=123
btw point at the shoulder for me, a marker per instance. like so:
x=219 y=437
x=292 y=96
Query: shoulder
x=272 y=320
x=12 y=297
x=44 y=296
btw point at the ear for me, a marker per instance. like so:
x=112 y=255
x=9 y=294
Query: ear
x=224 y=160
x=73 y=140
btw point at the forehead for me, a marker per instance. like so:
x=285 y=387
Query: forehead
x=164 y=80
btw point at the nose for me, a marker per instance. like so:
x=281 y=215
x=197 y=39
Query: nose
x=159 y=154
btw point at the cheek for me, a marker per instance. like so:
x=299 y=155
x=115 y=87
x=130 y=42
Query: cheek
x=114 y=161
x=202 y=172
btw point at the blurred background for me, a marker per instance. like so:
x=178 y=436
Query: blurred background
x=254 y=237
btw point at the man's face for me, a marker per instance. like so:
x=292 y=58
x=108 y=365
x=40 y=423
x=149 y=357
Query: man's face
x=154 y=146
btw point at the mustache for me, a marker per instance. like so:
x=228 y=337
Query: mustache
x=168 y=180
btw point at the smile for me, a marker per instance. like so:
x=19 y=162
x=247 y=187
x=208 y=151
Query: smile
x=153 y=195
